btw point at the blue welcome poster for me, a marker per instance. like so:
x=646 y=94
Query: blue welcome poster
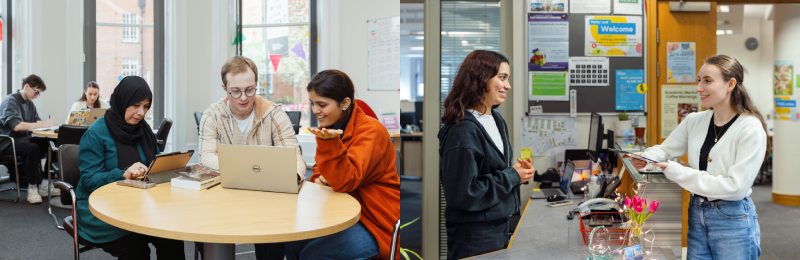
x=627 y=96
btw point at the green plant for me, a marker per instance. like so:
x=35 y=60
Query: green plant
x=623 y=116
x=404 y=251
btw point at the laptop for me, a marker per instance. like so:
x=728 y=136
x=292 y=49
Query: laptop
x=86 y=116
x=562 y=189
x=262 y=168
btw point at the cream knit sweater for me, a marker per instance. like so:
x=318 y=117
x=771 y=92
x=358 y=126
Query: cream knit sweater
x=736 y=157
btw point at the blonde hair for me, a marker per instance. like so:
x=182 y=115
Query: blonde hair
x=236 y=65
x=740 y=100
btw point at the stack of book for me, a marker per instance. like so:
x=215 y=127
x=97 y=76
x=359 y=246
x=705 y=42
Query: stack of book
x=195 y=177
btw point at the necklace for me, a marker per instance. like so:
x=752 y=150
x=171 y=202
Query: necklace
x=716 y=136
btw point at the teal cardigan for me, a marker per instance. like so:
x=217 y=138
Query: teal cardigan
x=97 y=160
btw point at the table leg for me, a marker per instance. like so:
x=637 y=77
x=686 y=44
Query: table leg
x=213 y=251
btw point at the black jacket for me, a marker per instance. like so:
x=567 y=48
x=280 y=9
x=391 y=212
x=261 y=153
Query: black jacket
x=479 y=181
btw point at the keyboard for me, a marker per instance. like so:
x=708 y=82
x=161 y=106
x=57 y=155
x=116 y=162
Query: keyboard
x=577 y=186
x=551 y=192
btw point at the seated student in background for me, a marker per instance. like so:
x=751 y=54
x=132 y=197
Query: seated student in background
x=119 y=146
x=90 y=99
x=18 y=117
x=242 y=118
x=480 y=184
x=354 y=155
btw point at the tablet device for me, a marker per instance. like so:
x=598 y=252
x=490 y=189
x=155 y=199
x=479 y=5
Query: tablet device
x=632 y=155
x=160 y=169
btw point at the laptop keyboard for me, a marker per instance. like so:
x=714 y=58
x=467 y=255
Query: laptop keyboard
x=551 y=192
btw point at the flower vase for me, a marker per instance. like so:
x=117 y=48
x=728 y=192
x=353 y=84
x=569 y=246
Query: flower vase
x=635 y=234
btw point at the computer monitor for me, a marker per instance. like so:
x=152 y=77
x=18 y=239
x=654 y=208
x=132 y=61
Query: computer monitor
x=595 y=136
x=407 y=118
x=418 y=114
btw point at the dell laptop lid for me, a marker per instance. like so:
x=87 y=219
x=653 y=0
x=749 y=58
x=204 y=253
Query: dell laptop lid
x=263 y=168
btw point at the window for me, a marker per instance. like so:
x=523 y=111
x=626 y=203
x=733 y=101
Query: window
x=134 y=22
x=276 y=36
x=130 y=67
x=130 y=34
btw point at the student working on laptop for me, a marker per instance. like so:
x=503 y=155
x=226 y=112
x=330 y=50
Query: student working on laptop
x=354 y=155
x=242 y=118
x=89 y=100
x=480 y=184
x=116 y=147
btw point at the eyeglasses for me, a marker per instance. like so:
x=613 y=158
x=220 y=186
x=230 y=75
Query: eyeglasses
x=36 y=93
x=238 y=93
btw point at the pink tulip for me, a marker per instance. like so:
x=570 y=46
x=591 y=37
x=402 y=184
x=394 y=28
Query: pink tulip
x=637 y=201
x=653 y=206
x=628 y=202
x=638 y=209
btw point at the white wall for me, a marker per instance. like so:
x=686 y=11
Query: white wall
x=345 y=30
x=757 y=63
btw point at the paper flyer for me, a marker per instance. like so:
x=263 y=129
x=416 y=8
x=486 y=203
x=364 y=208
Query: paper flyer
x=548 y=86
x=783 y=84
x=548 y=42
x=681 y=60
x=590 y=7
x=619 y=36
x=633 y=7
x=627 y=96
x=547 y=134
x=588 y=71
x=547 y=6
x=390 y=119
x=677 y=101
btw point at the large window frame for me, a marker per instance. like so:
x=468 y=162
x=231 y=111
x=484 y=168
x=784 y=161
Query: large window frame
x=312 y=46
x=90 y=51
x=130 y=34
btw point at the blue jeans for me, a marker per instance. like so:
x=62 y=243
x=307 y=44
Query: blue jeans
x=723 y=230
x=355 y=242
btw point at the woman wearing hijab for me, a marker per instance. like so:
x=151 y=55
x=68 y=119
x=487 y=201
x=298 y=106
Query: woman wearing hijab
x=116 y=147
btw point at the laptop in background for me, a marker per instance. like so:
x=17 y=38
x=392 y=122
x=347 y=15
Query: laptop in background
x=86 y=116
x=263 y=168
x=562 y=189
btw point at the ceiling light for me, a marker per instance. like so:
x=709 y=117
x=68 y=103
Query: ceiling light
x=728 y=31
x=720 y=32
x=420 y=37
x=724 y=9
x=464 y=42
x=417 y=48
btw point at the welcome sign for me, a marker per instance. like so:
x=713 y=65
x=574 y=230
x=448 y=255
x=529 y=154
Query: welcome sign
x=613 y=36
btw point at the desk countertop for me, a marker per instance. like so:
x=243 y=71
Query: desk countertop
x=546 y=233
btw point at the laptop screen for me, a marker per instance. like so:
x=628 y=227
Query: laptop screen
x=569 y=170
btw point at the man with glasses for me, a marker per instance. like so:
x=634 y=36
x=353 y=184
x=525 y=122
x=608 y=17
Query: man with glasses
x=18 y=117
x=242 y=118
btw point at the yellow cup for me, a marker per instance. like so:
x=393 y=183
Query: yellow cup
x=525 y=153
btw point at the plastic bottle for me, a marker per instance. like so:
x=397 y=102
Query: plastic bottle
x=596 y=169
x=594 y=186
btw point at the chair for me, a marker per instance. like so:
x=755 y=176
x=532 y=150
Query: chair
x=395 y=236
x=9 y=160
x=67 y=134
x=197 y=116
x=294 y=117
x=163 y=133
x=367 y=110
x=70 y=176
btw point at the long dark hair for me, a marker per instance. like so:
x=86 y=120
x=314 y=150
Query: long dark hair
x=335 y=85
x=740 y=100
x=470 y=83
x=92 y=84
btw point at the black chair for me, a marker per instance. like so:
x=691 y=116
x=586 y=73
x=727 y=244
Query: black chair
x=197 y=116
x=70 y=176
x=163 y=133
x=294 y=117
x=395 y=236
x=11 y=161
x=67 y=134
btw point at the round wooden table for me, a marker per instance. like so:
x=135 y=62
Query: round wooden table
x=49 y=134
x=222 y=217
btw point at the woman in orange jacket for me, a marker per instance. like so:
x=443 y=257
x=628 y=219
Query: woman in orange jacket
x=354 y=155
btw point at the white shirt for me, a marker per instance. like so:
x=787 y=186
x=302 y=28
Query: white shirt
x=735 y=159
x=491 y=127
x=247 y=123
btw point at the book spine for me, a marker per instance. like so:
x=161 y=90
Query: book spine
x=209 y=183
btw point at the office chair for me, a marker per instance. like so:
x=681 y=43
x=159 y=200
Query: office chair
x=294 y=117
x=197 y=116
x=70 y=176
x=8 y=161
x=67 y=134
x=163 y=133
x=395 y=237
x=367 y=110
